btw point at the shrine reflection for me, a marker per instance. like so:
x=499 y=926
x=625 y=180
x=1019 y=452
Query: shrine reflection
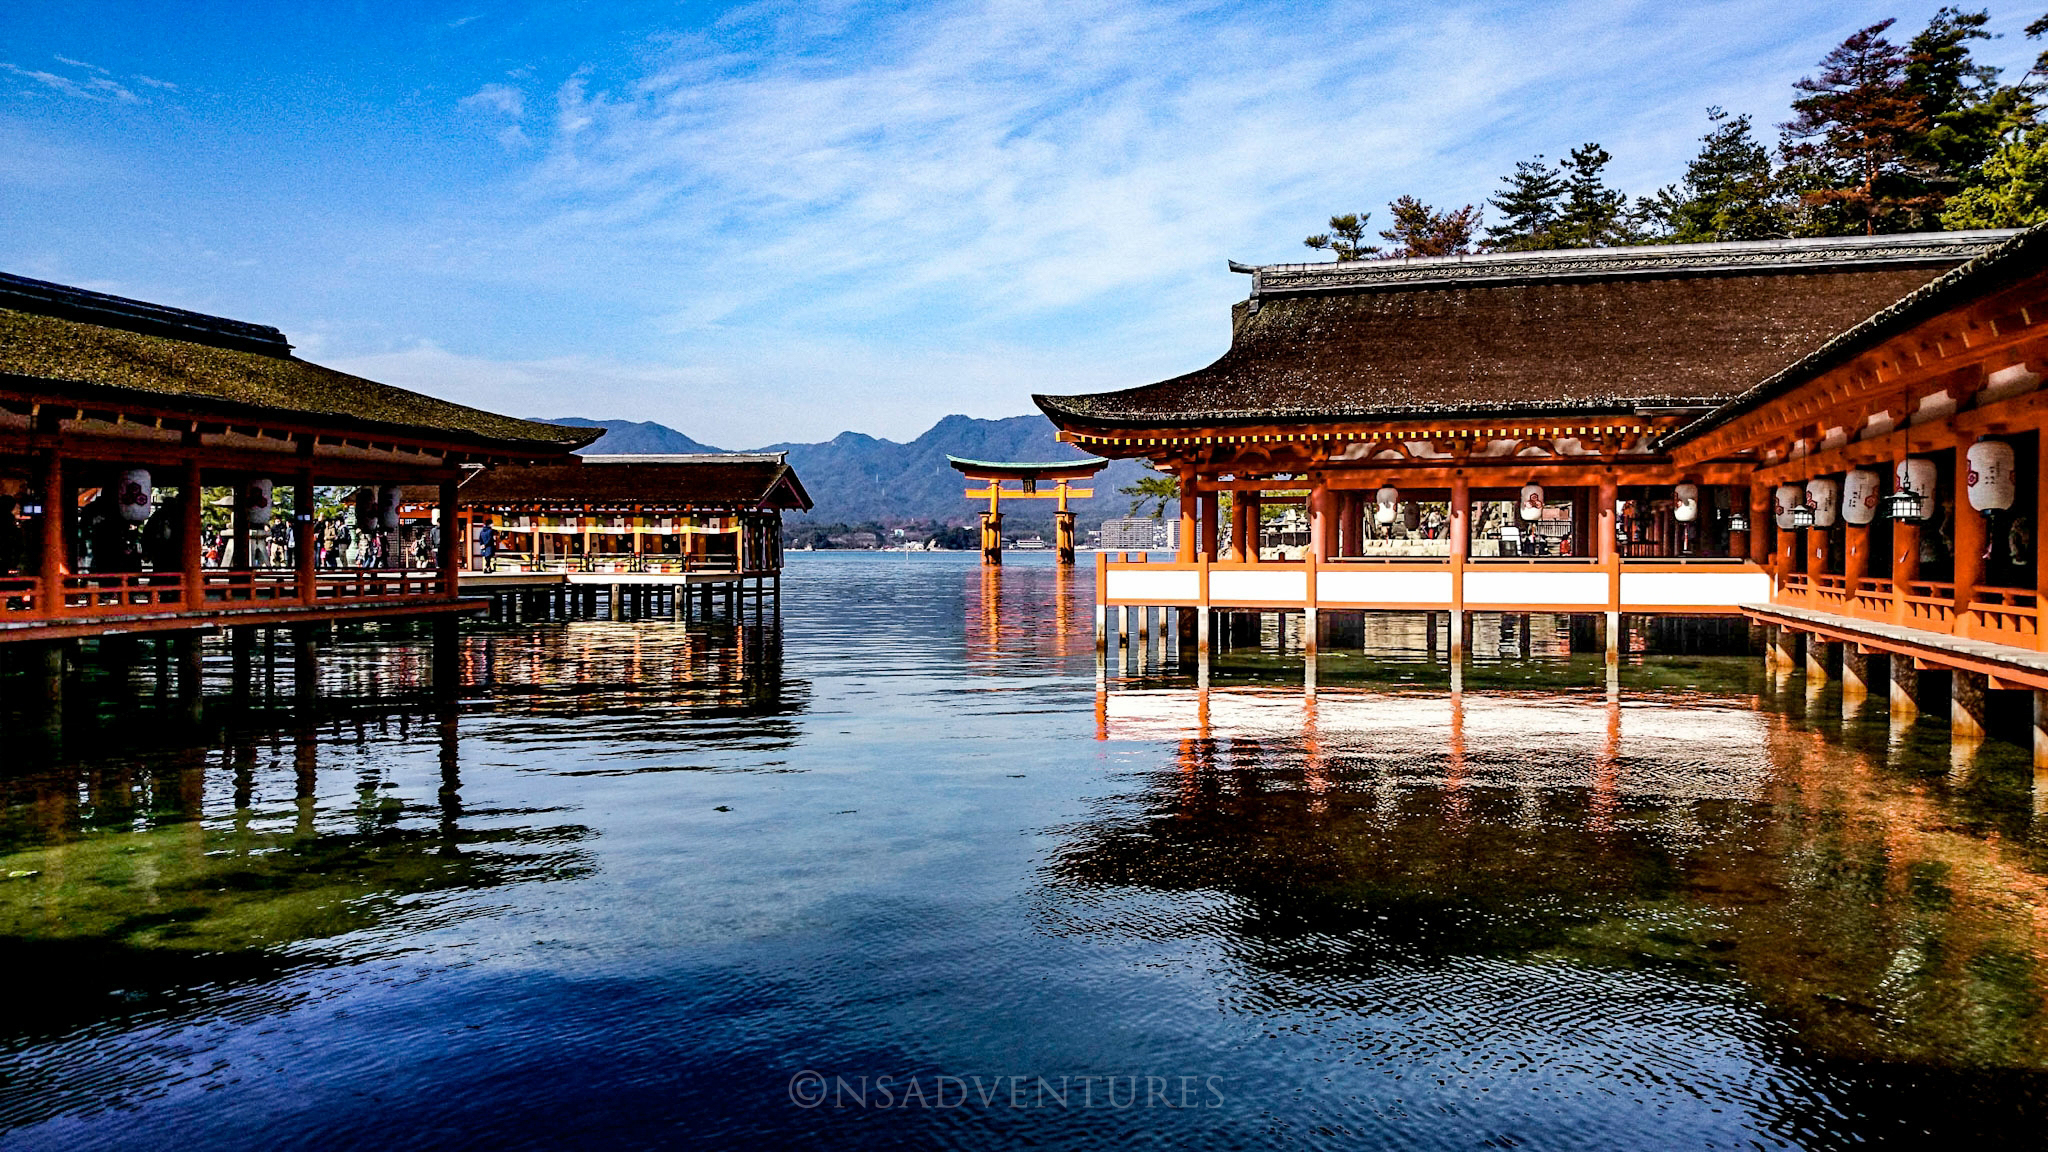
x=1026 y=615
x=170 y=853
x=1877 y=902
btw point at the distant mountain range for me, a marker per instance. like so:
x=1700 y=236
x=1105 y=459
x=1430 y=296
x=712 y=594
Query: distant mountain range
x=855 y=478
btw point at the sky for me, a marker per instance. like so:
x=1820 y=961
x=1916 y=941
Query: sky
x=774 y=222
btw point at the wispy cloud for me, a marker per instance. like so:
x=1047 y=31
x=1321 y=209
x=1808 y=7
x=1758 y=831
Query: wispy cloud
x=1070 y=175
x=96 y=84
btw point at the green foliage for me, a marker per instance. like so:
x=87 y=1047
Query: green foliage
x=1346 y=237
x=1155 y=490
x=1527 y=204
x=2009 y=191
x=1730 y=191
x=1420 y=230
x=1961 y=99
x=1591 y=215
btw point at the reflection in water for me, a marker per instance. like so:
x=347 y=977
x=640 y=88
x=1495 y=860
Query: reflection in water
x=632 y=877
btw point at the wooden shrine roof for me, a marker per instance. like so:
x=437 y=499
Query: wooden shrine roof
x=2023 y=256
x=67 y=343
x=742 y=481
x=1585 y=331
x=1029 y=470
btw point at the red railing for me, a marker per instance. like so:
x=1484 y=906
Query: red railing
x=390 y=584
x=23 y=594
x=122 y=594
x=2006 y=615
x=107 y=595
x=1930 y=605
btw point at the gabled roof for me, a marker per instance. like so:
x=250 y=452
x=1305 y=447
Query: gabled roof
x=739 y=481
x=1586 y=331
x=2024 y=255
x=1079 y=469
x=61 y=342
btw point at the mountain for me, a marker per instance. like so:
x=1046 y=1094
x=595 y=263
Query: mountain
x=624 y=437
x=856 y=478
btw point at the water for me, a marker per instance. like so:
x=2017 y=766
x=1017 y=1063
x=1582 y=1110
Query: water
x=639 y=879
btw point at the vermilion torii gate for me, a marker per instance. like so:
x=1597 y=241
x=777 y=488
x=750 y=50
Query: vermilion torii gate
x=1061 y=472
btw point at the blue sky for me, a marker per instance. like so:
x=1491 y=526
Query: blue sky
x=771 y=222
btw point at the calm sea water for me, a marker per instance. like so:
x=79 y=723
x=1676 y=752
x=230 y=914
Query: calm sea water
x=905 y=874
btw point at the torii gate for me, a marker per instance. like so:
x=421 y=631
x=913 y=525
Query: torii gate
x=1027 y=475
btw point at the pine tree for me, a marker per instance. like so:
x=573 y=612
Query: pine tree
x=2010 y=190
x=1346 y=237
x=1528 y=205
x=1729 y=191
x=1592 y=215
x=1846 y=149
x=1420 y=230
x=1964 y=105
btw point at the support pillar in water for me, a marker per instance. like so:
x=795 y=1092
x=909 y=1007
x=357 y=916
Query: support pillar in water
x=1611 y=636
x=1968 y=693
x=1856 y=667
x=447 y=657
x=1817 y=652
x=305 y=667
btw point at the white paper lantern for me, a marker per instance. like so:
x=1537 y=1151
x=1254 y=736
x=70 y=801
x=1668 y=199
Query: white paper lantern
x=389 y=498
x=1823 y=495
x=1387 y=504
x=1685 y=503
x=1784 y=498
x=256 y=500
x=136 y=497
x=1532 y=501
x=1918 y=475
x=1859 y=496
x=1991 y=475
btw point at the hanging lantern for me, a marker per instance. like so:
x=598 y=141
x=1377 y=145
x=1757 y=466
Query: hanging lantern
x=1411 y=515
x=1859 y=496
x=256 y=502
x=136 y=496
x=1912 y=498
x=1802 y=517
x=1386 y=505
x=1991 y=475
x=1784 y=499
x=1685 y=502
x=389 y=498
x=1532 y=501
x=1738 y=521
x=1823 y=495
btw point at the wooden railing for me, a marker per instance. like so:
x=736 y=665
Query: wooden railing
x=2005 y=615
x=88 y=596
x=1930 y=605
x=122 y=594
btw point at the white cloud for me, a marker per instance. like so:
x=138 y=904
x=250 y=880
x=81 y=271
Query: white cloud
x=502 y=98
x=96 y=85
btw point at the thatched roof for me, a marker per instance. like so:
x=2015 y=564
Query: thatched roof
x=737 y=481
x=2024 y=255
x=1585 y=331
x=100 y=349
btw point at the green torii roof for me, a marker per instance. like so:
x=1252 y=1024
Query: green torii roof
x=1029 y=470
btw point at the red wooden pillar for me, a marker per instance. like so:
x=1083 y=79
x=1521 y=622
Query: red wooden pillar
x=451 y=543
x=1969 y=544
x=52 y=569
x=1758 y=543
x=1248 y=542
x=303 y=529
x=1188 y=498
x=1208 y=548
x=193 y=533
x=1320 y=522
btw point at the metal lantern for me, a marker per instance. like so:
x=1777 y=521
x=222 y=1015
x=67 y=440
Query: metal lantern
x=256 y=502
x=1738 y=521
x=1823 y=496
x=1532 y=501
x=1991 y=475
x=1912 y=498
x=1685 y=504
x=1802 y=516
x=136 y=496
x=1386 y=505
x=389 y=498
x=1784 y=498
x=1859 y=496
